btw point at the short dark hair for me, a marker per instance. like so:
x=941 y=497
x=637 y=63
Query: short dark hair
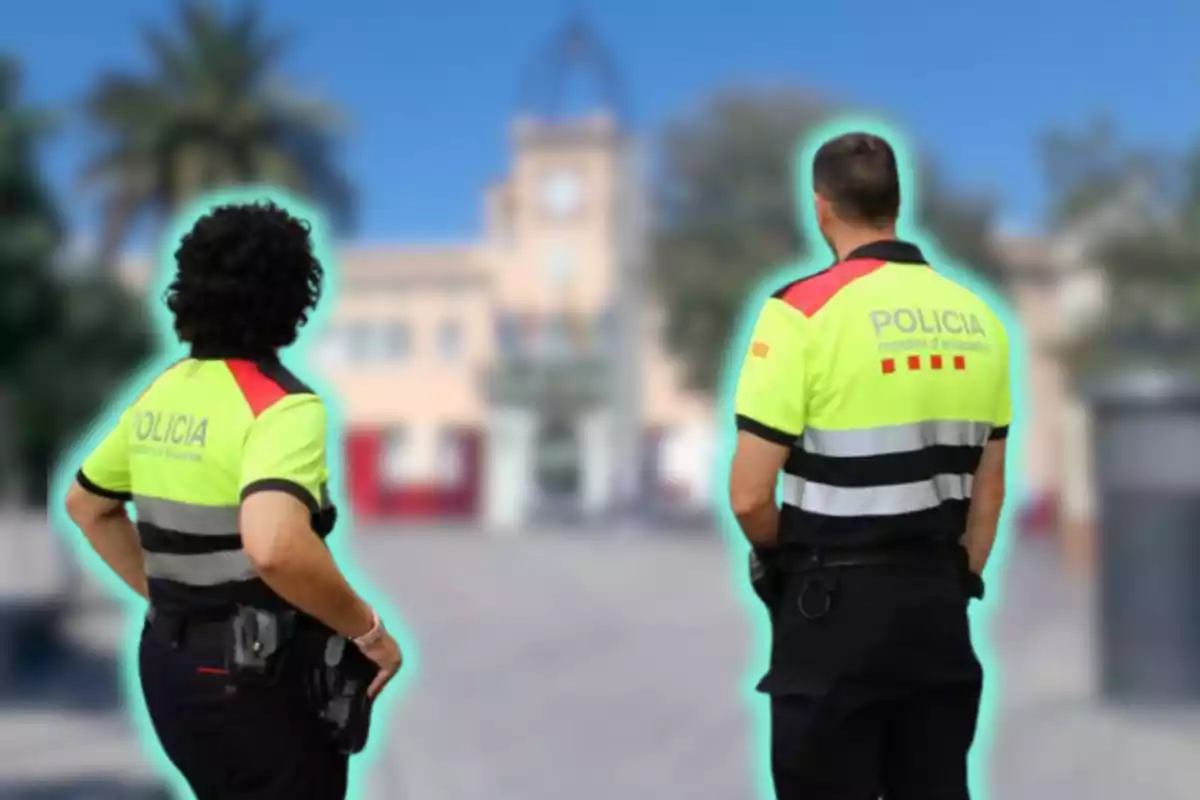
x=246 y=281
x=857 y=174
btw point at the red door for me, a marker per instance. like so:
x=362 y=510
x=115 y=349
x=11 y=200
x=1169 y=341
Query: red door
x=364 y=452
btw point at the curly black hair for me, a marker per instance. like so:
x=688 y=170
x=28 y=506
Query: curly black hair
x=246 y=281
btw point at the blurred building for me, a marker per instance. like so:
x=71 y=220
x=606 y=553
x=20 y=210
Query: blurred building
x=476 y=378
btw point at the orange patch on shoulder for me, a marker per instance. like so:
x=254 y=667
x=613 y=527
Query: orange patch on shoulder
x=760 y=349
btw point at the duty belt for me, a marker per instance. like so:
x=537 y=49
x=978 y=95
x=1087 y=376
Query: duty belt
x=254 y=641
x=818 y=570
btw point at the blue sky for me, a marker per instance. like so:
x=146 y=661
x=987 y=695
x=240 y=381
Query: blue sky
x=431 y=86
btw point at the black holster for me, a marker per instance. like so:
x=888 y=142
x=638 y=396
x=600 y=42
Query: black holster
x=337 y=687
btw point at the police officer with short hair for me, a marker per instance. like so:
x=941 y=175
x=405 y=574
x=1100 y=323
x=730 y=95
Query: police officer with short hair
x=258 y=661
x=880 y=389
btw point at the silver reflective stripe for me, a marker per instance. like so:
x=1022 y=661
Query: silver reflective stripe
x=187 y=517
x=202 y=569
x=894 y=438
x=903 y=498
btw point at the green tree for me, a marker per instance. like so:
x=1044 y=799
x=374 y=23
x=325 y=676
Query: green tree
x=212 y=113
x=726 y=214
x=65 y=342
x=30 y=232
x=1133 y=214
x=103 y=335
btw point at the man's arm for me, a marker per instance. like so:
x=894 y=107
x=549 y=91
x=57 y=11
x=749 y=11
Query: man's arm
x=771 y=409
x=282 y=474
x=987 y=491
x=753 y=478
x=987 y=500
x=96 y=503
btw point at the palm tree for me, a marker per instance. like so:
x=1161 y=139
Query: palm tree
x=211 y=114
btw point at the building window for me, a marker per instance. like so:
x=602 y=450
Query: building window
x=359 y=342
x=509 y=335
x=397 y=341
x=558 y=341
x=329 y=347
x=450 y=465
x=449 y=340
x=606 y=328
x=399 y=462
x=558 y=267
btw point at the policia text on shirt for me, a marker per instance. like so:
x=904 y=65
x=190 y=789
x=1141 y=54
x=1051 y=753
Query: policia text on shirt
x=880 y=389
x=258 y=662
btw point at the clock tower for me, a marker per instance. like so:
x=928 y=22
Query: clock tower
x=559 y=236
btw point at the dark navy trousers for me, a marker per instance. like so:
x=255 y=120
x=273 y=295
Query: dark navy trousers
x=233 y=739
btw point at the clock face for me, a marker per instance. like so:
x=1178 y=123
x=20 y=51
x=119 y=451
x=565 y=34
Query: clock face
x=561 y=193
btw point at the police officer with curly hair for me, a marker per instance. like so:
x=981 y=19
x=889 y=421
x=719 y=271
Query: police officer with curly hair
x=258 y=661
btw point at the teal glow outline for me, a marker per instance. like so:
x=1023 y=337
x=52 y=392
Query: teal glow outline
x=980 y=612
x=169 y=351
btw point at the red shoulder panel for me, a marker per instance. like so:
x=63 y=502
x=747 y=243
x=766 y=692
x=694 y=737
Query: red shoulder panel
x=260 y=391
x=808 y=296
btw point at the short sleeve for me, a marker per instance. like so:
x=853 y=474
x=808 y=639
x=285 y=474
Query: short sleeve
x=285 y=450
x=105 y=471
x=771 y=398
x=1003 y=417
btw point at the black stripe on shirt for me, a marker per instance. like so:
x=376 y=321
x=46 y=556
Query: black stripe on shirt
x=164 y=540
x=945 y=523
x=884 y=470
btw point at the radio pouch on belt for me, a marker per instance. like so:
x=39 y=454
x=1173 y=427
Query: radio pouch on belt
x=256 y=639
x=338 y=689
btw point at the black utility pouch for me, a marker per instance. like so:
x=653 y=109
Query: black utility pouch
x=338 y=690
x=258 y=641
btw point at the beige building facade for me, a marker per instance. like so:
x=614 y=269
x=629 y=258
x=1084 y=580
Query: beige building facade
x=451 y=361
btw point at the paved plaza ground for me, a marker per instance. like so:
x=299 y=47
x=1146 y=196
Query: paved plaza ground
x=562 y=665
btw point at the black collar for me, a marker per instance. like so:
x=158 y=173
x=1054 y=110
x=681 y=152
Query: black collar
x=891 y=250
x=217 y=353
